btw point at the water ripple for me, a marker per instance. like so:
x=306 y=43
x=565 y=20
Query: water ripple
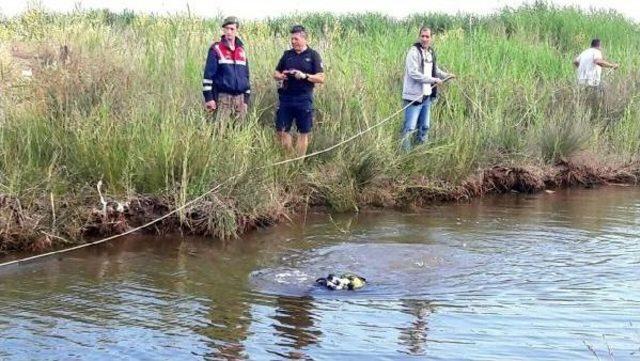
x=522 y=277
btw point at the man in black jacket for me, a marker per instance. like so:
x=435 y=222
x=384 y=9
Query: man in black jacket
x=297 y=72
x=226 y=85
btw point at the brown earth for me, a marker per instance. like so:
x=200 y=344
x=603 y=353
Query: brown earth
x=31 y=229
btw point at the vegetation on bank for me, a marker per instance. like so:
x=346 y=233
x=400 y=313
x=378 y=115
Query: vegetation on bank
x=116 y=97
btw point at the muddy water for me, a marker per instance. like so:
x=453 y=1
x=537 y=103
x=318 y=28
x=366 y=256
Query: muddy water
x=550 y=276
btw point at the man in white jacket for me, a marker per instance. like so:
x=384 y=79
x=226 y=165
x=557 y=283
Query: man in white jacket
x=421 y=77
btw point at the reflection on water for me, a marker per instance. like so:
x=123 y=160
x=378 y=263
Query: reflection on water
x=516 y=277
x=414 y=336
x=295 y=326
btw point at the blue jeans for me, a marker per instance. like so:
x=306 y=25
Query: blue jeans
x=416 y=116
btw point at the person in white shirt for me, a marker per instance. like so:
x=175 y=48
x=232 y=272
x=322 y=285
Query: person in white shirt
x=590 y=63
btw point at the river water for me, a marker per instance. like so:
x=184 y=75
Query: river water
x=537 y=277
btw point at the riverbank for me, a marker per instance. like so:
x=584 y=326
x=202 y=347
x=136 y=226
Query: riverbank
x=200 y=219
x=97 y=96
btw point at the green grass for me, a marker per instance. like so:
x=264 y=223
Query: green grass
x=127 y=108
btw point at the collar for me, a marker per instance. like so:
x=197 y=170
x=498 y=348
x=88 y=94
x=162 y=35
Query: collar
x=238 y=42
x=302 y=52
x=419 y=45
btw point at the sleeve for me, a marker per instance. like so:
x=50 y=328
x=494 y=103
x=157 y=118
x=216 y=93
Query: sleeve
x=440 y=74
x=211 y=67
x=413 y=67
x=247 y=94
x=318 y=67
x=281 y=63
x=597 y=55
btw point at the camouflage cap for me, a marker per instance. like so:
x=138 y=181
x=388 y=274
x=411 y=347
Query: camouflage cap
x=230 y=20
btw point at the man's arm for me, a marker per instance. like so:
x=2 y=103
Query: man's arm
x=279 y=73
x=247 y=94
x=443 y=74
x=208 y=87
x=316 y=78
x=318 y=70
x=606 y=64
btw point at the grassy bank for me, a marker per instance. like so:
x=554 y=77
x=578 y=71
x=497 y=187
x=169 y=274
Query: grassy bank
x=123 y=105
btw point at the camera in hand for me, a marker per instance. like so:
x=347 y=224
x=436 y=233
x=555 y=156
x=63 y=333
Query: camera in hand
x=291 y=74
